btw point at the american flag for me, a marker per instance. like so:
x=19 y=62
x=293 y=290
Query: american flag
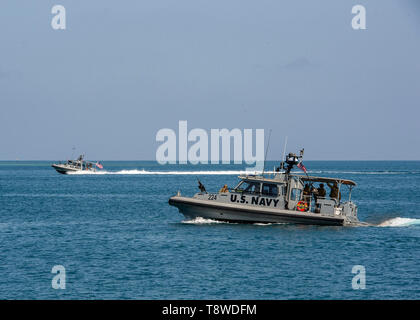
x=98 y=164
x=301 y=167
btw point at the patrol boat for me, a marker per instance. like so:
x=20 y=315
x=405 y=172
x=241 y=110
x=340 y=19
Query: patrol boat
x=76 y=165
x=283 y=197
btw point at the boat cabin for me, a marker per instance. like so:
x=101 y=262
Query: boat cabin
x=297 y=192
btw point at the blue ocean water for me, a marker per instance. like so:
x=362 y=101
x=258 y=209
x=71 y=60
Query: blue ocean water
x=118 y=238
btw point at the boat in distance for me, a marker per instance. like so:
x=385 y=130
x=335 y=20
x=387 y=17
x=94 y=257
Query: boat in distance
x=282 y=198
x=78 y=165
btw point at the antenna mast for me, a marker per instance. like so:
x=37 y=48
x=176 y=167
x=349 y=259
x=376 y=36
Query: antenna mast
x=266 y=151
x=284 y=153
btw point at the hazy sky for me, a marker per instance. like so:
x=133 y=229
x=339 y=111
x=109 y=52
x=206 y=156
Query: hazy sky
x=122 y=70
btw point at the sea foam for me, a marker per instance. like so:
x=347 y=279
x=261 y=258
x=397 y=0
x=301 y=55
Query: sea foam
x=400 y=222
x=145 y=172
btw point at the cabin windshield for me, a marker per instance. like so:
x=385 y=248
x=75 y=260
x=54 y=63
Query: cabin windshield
x=248 y=187
x=270 y=189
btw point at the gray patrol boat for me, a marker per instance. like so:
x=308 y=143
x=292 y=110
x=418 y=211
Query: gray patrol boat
x=79 y=165
x=281 y=198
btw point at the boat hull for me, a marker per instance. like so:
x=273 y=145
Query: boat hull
x=66 y=170
x=194 y=208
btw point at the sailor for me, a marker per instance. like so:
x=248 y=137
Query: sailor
x=314 y=191
x=224 y=189
x=321 y=191
x=334 y=193
x=307 y=193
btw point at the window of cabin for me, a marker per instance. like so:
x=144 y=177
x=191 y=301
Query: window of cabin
x=270 y=189
x=295 y=194
x=283 y=190
x=249 y=187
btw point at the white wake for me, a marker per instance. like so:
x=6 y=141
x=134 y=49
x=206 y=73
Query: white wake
x=217 y=172
x=400 y=222
x=200 y=220
x=395 y=222
x=145 y=172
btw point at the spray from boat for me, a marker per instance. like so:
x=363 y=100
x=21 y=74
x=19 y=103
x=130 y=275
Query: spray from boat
x=400 y=222
x=146 y=172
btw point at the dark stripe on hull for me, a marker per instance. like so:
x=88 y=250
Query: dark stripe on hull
x=216 y=212
x=67 y=170
x=60 y=169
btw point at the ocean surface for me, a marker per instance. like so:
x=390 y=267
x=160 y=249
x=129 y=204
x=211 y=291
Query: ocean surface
x=118 y=238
